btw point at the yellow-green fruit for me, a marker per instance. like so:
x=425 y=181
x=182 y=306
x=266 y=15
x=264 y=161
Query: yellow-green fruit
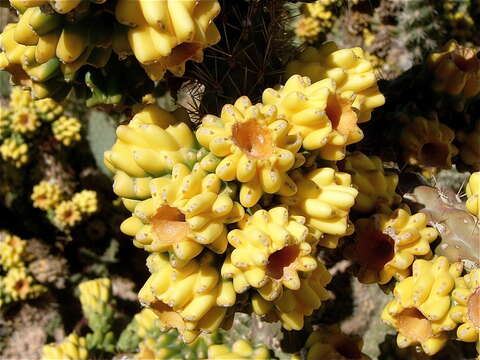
x=292 y=306
x=385 y=246
x=428 y=144
x=324 y=198
x=253 y=146
x=14 y=151
x=270 y=249
x=95 y=295
x=73 y=347
x=473 y=194
x=166 y=34
x=422 y=305
x=67 y=214
x=67 y=130
x=188 y=211
x=19 y=285
x=86 y=201
x=469 y=145
x=330 y=343
x=240 y=349
x=149 y=146
x=12 y=250
x=376 y=190
x=308 y=28
x=191 y=299
x=323 y=117
x=46 y=195
x=20 y=98
x=351 y=70
x=456 y=71
x=466 y=310
x=48 y=109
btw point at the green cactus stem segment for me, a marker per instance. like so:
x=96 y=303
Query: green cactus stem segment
x=181 y=53
x=474 y=308
x=253 y=139
x=413 y=325
x=375 y=249
x=167 y=316
x=341 y=115
x=348 y=349
x=281 y=259
x=434 y=154
x=467 y=60
x=169 y=224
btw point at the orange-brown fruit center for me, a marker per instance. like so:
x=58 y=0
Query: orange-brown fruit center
x=467 y=60
x=24 y=119
x=168 y=316
x=20 y=284
x=348 y=349
x=374 y=249
x=414 y=326
x=169 y=224
x=281 y=259
x=434 y=154
x=254 y=139
x=341 y=115
x=473 y=306
x=181 y=53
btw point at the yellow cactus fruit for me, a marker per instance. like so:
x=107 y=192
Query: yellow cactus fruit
x=385 y=246
x=376 y=190
x=428 y=144
x=255 y=147
x=324 y=198
x=456 y=71
x=67 y=214
x=12 y=249
x=86 y=201
x=331 y=241
x=95 y=295
x=73 y=347
x=293 y=305
x=20 y=99
x=67 y=130
x=18 y=285
x=473 y=194
x=48 y=109
x=308 y=28
x=466 y=310
x=351 y=70
x=469 y=144
x=15 y=151
x=318 y=9
x=324 y=118
x=24 y=121
x=240 y=349
x=330 y=343
x=149 y=146
x=46 y=195
x=191 y=299
x=166 y=34
x=270 y=249
x=188 y=211
x=422 y=305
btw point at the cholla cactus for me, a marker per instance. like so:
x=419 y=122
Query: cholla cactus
x=329 y=343
x=255 y=146
x=67 y=130
x=428 y=144
x=73 y=347
x=14 y=150
x=351 y=70
x=473 y=194
x=376 y=190
x=19 y=285
x=67 y=214
x=240 y=349
x=25 y=121
x=46 y=195
x=456 y=71
x=48 y=109
x=191 y=299
x=86 y=201
x=422 y=308
x=12 y=251
x=187 y=212
x=270 y=250
x=385 y=246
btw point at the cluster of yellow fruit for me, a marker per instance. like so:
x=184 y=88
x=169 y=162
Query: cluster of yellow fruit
x=66 y=214
x=317 y=18
x=55 y=43
x=239 y=207
x=23 y=119
x=16 y=284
